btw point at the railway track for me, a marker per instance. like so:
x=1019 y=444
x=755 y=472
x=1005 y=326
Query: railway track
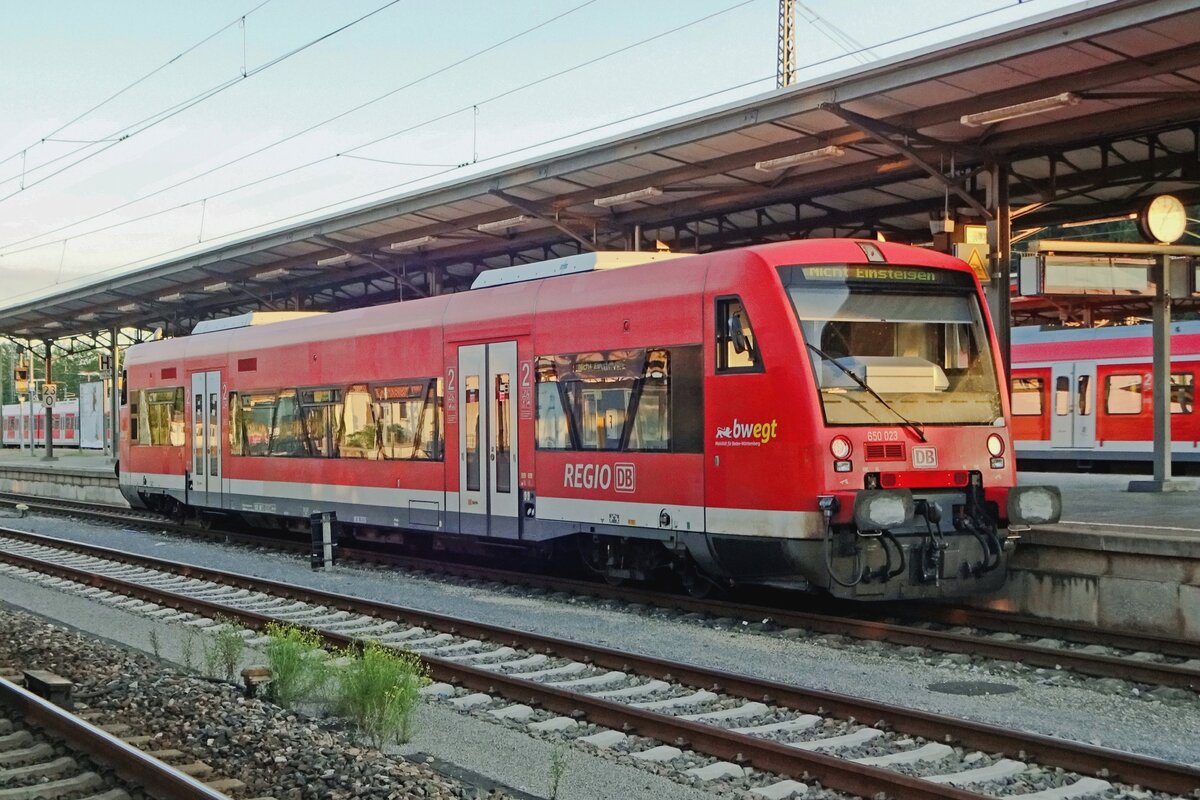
x=1143 y=659
x=95 y=764
x=546 y=683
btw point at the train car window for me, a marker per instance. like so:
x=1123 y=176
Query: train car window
x=158 y=417
x=473 y=442
x=321 y=410
x=1027 y=397
x=1062 y=396
x=737 y=348
x=237 y=436
x=625 y=400
x=410 y=420
x=358 y=437
x=1123 y=394
x=288 y=437
x=258 y=413
x=1183 y=392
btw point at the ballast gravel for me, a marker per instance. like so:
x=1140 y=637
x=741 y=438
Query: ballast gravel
x=1046 y=701
x=272 y=751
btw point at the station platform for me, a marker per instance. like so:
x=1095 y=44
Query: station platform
x=84 y=475
x=1122 y=559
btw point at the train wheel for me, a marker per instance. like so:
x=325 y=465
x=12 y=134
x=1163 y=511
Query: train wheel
x=695 y=582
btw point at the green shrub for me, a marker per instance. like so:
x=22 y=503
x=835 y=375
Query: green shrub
x=379 y=691
x=298 y=668
x=223 y=657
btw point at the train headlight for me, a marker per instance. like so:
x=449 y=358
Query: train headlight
x=995 y=445
x=841 y=448
x=1034 y=505
x=881 y=509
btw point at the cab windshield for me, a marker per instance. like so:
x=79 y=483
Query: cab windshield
x=884 y=356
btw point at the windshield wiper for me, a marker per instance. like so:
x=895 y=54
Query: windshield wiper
x=915 y=427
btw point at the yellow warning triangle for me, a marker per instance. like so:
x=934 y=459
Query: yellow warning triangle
x=976 y=262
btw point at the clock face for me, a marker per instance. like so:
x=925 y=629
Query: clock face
x=1165 y=219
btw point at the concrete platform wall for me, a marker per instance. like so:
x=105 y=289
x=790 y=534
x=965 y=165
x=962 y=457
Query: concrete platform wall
x=1141 y=582
x=89 y=486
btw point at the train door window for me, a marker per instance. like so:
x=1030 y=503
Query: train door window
x=359 y=433
x=287 y=434
x=258 y=411
x=501 y=435
x=1062 y=396
x=1084 y=388
x=1183 y=392
x=236 y=434
x=70 y=426
x=321 y=410
x=1123 y=394
x=1027 y=397
x=214 y=423
x=198 y=433
x=410 y=420
x=737 y=349
x=471 y=420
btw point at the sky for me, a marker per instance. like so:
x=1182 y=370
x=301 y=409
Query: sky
x=134 y=132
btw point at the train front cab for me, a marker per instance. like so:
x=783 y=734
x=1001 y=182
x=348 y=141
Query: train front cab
x=858 y=438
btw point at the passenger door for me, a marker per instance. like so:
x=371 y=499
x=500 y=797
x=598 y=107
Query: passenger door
x=487 y=437
x=206 y=439
x=1073 y=411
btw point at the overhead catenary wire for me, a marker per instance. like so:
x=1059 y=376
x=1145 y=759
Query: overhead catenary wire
x=49 y=137
x=146 y=123
x=258 y=151
x=404 y=184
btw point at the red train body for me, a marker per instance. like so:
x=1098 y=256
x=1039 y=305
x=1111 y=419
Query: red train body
x=1083 y=395
x=809 y=414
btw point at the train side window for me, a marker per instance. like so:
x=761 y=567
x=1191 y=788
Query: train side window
x=158 y=417
x=1183 y=392
x=358 y=437
x=1084 y=387
x=1123 y=394
x=622 y=400
x=410 y=420
x=287 y=430
x=322 y=411
x=1027 y=397
x=737 y=349
x=1062 y=396
x=236 y=432
x=258 y=412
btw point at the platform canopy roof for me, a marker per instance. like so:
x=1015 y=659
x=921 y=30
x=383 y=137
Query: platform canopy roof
x=1114 y=119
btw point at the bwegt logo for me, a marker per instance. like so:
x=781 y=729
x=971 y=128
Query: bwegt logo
x=748 y=434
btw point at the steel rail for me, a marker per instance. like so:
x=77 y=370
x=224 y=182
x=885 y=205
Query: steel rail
x=1077 y=757
x=132 y=765
x=863 y=626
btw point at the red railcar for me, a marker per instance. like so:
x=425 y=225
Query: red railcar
x=1082 y=396
x=809 y=414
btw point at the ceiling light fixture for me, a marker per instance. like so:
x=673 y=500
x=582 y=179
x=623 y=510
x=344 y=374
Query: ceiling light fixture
x=88 y=317
x=271 y=274
x=220 y=286
x=333 y=261
x=53 y=324
x=783 y=162
x=173 y=297
x=503 y=224
x=1100 y=221
x=628 y=197
x=411 y=244
x=128 y=307
x=1020 y=110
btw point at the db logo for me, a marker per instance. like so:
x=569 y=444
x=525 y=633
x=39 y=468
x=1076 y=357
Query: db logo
x=626 y=478
x=924 y=457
